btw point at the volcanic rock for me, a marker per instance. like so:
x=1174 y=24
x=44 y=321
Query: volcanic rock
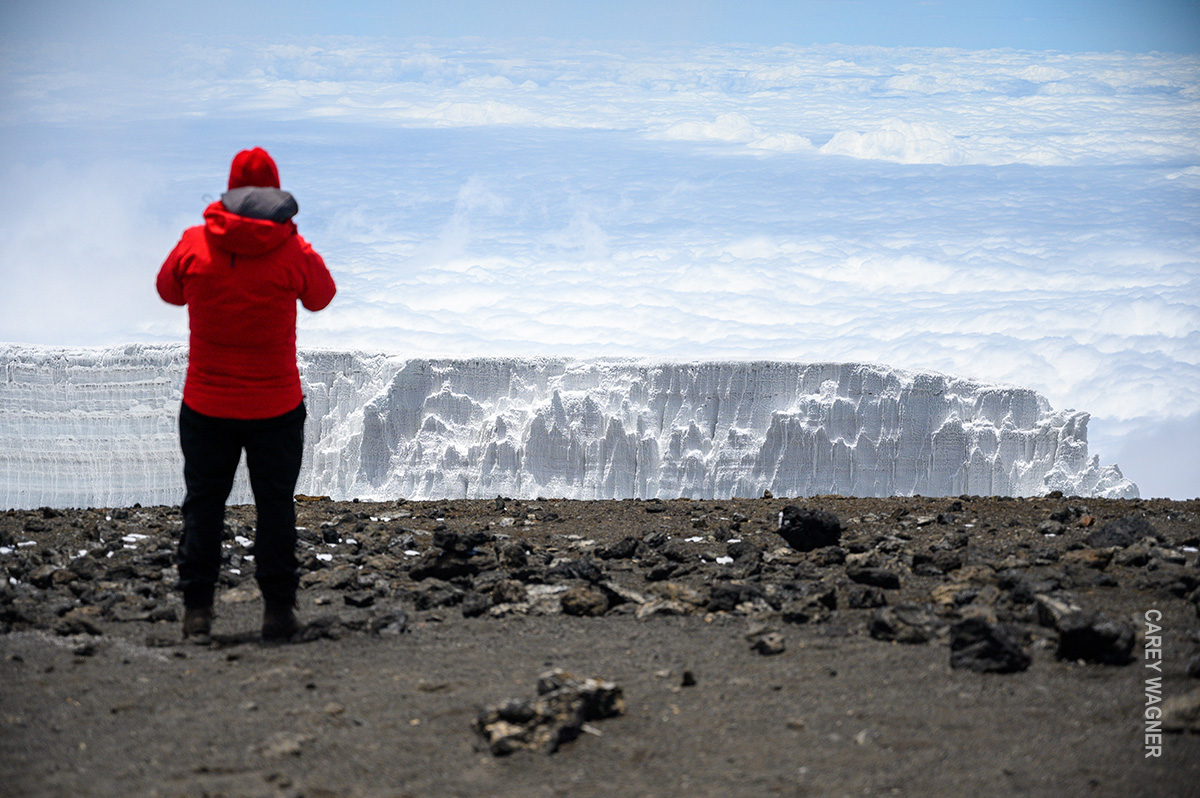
x=1121 y=533
x=1092 y=637
x=584 y=600
x=563 y=707
x=876 y=577
x=909 y=623
x=806 y=529
x=979 y=645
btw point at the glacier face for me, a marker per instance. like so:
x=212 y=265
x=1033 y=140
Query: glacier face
x=85 y=427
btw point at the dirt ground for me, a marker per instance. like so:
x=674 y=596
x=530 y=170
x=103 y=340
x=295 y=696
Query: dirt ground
x=748 y=667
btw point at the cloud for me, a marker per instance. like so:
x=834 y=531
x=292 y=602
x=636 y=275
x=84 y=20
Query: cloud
x=1026 y=218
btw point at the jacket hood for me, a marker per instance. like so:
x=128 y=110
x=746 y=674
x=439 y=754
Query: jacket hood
x=253 y=168
x=244 y=235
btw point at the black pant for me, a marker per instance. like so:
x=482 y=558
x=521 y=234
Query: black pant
x=211 y=450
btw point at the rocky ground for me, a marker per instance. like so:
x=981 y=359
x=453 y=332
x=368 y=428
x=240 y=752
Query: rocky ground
x=907 y=646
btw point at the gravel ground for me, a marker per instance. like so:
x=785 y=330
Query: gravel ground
x=906 y=646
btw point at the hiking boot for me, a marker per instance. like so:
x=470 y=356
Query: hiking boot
x=279 y=622
x=197 y=622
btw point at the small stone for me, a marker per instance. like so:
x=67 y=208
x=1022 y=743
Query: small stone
x=394 y=622
x=562 y=710
x=768 y=644
x=1091 y=558
x=688 y=680
x=1051 y=528
x=283 y=744
x=1193 y=667
x=877 y=577
x=360 y=598
x=622 y=549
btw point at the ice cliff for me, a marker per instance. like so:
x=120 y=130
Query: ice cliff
x=87 y=427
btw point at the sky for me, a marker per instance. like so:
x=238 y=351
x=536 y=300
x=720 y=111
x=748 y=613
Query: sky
x=1003 y=191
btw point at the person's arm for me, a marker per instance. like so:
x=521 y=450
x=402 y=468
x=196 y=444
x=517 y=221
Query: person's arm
x=170 y=277
x=318 y=289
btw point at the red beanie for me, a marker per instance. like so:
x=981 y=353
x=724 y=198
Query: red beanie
x=253 y=168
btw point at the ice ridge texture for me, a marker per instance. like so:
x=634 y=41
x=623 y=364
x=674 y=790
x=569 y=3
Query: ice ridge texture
x=88 y=427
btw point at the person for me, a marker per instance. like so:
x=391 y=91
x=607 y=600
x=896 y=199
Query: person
x=240 y=274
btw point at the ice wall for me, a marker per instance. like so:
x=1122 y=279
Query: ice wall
x=97 y=428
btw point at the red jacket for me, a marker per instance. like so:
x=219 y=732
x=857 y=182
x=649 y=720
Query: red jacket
x=240 y=277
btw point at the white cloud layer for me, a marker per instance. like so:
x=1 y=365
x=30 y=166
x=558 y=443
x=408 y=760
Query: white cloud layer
x=1010 y=216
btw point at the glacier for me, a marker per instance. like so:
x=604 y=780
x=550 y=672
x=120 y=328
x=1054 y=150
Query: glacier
x=98 y=427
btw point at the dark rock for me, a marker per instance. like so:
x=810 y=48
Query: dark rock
x=463 y=545
x=805 y=529
x=979 y=645
x=1052 y=609
x=359 y=598
x=85 y=567
x=1024 y=588
x=805 y=610
x=1065 y=515
x=585 y=569
x=1193 y=667
x=475 y=604
x=390 y=622
x=438 y=594
x=1051 y=527
x=508 y=591
x=1092 y=637
x=656 y=540
x=512 y=555
x=584 y=600
x=445 y=564
x=878 y=577
x=1121 y=533
x=908 y=623
x=326 y=627
x=43 y=576
x=859 y=597
x=661 y=570
x=164 y=615
x=830 y=555
x=744 y=550
x=678 y=551
x=622 y=549
x=727 y=596
x=77 y=622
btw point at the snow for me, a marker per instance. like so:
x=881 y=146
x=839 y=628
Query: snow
x=97 y=427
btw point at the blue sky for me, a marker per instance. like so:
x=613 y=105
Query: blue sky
x=1068 y=25
x=1025 y=215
